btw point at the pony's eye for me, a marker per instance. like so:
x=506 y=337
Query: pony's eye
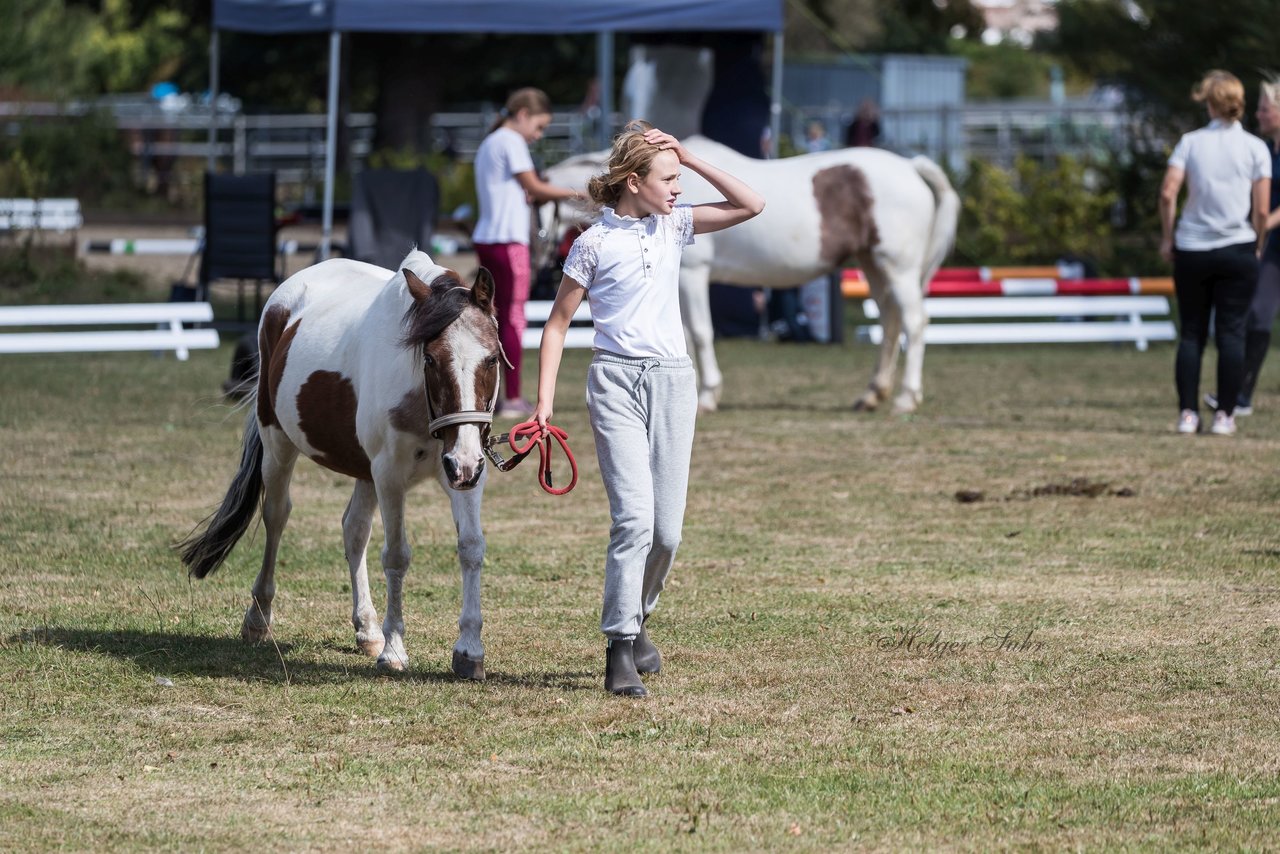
x=430 y=360
x=491 y=362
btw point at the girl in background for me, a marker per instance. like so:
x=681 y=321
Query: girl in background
x=506 y=183
x=641 y=392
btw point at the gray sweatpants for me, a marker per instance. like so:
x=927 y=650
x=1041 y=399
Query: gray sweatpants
x=642 y=415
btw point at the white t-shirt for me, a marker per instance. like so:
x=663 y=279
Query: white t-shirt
x=504 y=210
x=1221 y=162
x=631 y=270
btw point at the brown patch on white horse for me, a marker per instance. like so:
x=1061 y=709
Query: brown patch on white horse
x=327 y=407
x=274 y=337
x=845 y=206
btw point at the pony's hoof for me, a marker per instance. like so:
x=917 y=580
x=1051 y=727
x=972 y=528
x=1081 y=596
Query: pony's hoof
x=255 y=633
x=867 y=403
x=371 y=646
x=905 y=404
x=466 y=667
x=392 y=663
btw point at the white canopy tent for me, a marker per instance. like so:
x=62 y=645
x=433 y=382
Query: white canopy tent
x=603 y=17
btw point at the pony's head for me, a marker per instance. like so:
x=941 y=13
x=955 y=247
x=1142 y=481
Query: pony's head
x=453 y=329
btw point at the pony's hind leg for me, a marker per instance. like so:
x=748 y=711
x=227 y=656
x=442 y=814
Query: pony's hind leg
x=278 y=457
x=891 y=327
x=695 y=309
x=468 y=652
x=908 y=294
x=357 y=524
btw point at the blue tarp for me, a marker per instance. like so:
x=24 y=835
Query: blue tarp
x=495 y=16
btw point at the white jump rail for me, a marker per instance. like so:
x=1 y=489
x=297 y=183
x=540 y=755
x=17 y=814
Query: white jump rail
x=59 y=215
x=536 y=313
x=1089 y=328
x=169 y=315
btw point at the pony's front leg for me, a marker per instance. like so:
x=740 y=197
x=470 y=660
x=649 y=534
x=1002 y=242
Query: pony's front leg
x=468 y=652
x=695 y=307
x=357 y=524
x=278 y=457
x=395 y=564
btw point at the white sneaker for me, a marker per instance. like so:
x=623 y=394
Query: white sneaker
x=1223 y=424
x=1211 y=400
x=1189 y=421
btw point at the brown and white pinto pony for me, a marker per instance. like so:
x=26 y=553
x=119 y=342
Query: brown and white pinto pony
x=388 y=378
x=893 y=217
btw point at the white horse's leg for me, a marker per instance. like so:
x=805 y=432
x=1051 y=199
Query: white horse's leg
x=891 y=325
x=357 y=524
x=468 y=652
x=695 y=307
x=395 y=564
x=910 y=299
x=278 y=456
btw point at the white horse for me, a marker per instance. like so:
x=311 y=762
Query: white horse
x=893 y=217
x=388 y=378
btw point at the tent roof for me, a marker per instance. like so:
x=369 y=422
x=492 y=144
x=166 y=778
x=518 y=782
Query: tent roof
x=495 y=16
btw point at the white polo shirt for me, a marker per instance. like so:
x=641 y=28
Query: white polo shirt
x=1221 y=162
x=631 y=270
x=504 y=210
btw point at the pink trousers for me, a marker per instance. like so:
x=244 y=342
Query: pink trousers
x=509 y=264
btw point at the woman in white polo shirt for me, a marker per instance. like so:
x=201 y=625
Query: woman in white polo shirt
x=505 y=184
x=1214 y=249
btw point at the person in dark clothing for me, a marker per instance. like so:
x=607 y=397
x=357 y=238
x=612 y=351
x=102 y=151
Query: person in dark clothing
x=1214 y=250
x=1266 y=299
x=865 y=127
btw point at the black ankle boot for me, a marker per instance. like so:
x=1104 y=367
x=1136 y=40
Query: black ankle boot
x=620 y=676
x=647 y=657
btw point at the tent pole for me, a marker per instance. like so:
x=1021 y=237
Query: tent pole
x=775 y=107
x=604 y=76
x=330 y=144
x=213 y=100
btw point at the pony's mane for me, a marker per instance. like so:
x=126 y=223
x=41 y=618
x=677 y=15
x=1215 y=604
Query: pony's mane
x=427 y=319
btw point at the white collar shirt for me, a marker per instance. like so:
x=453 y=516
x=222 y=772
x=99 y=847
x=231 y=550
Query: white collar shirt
x=1221 y=162
x=631 y=271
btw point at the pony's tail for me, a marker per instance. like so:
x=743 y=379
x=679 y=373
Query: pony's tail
x=205 y=548
x=945 y=215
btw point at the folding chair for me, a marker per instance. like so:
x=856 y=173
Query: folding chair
x=392 y=211
x=239 y=235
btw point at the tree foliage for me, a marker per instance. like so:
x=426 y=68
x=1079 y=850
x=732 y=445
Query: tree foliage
x=1158 y=49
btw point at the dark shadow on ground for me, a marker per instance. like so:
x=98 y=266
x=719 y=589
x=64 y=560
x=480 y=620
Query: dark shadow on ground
x=172 y=655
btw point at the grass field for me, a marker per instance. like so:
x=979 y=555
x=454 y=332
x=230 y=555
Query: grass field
x=1086 y=657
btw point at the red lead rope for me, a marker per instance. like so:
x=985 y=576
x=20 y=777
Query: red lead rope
x=522 y=439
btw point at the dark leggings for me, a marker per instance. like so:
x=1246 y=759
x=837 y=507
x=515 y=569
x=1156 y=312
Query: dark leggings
x=1221 y=282
x=1262 y=314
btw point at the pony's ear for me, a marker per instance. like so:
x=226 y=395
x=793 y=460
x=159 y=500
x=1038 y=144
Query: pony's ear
x=418 y=289
x=482 y=290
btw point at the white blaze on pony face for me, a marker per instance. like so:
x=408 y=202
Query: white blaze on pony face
x=474 y=373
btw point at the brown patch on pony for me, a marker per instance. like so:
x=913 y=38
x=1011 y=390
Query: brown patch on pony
x=411 y=415
x=845 y=207
x=327 y=417
x=274 y=338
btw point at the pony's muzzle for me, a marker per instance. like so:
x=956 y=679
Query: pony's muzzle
x=462 y=474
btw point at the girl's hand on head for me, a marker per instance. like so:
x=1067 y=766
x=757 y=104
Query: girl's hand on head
x=665 y=142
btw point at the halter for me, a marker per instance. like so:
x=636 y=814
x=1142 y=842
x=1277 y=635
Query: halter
x=437 y=423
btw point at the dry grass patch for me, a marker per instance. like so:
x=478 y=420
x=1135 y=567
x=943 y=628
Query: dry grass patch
x=854 y=658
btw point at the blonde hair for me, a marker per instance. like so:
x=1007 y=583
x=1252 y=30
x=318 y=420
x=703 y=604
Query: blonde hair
x=1271 y=89
x=1223 y=92
x=529 y=98
x=630 y=154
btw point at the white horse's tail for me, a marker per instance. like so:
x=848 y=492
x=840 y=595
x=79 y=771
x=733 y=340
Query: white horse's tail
x=945 y=215
x=203 y=551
